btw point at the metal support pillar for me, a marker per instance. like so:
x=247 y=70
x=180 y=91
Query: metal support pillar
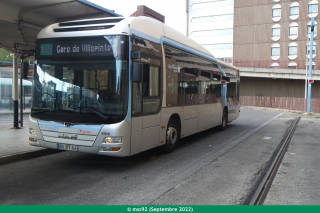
x=310 y=64
x=15 y=91
x=21 y=98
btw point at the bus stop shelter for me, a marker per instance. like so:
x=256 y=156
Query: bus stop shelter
x=21 y=21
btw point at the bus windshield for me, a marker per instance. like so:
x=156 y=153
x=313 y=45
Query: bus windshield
x=85 y=87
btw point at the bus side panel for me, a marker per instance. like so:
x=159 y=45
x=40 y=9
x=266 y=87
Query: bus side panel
x=206 y=117
x=136 y=135
x=150 y=131
x=150 y=138
x=190 y=112
x=189 y=126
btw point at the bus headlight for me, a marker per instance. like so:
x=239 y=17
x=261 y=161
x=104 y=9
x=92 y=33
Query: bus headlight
x=32 y=132
x=113 y=140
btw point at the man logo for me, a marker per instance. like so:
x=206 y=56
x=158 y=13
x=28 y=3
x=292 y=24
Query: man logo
x=68 y=136
x=66 y=124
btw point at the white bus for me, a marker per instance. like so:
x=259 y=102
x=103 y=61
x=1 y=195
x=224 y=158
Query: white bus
x=120 y=86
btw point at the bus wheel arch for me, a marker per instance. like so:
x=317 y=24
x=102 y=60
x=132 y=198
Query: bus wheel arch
x=173 y=133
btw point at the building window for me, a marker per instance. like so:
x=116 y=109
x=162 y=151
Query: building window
x=204 y=19
x=293 y=31
x=293 y=51
x=275 y=32
x=313 y=50
x=314 y=30
x=292 y=65
x=217 y=46
x=276 y=12
x=294 y=10
x=313 y=8
x=275 y=65
x=227 y=60
x=203 y=33
x=275 y=51
x=212 y=4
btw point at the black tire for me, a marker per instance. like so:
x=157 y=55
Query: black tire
x=223 y=126
x=172 y=136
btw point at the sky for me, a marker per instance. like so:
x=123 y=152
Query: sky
x=173 y=10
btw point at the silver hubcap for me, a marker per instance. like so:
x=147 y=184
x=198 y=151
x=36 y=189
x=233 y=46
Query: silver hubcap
x=172 y=135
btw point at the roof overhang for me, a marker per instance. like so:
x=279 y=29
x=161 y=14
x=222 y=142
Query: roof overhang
x=21 y=21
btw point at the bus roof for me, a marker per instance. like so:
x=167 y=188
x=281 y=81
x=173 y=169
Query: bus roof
x=140 y=26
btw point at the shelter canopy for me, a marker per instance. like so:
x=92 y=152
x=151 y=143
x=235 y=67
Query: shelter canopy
x=21 y=20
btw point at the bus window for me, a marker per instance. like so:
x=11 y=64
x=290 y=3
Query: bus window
x=150 y=89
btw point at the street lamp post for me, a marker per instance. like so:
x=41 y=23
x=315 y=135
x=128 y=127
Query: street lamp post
x=310 y=64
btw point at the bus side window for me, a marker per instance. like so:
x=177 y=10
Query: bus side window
x=150 y=89
x=136 y=97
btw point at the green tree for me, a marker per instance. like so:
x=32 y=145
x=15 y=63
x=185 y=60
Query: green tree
x=5 y=55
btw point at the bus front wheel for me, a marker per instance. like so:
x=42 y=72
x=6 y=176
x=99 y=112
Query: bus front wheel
x=172 y=136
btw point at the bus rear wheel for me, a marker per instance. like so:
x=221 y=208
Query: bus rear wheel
x=223 y=126
x=172 y=136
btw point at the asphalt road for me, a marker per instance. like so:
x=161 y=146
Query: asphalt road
x=70 y=178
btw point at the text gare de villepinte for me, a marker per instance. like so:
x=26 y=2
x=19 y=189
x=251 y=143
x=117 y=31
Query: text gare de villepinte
x=85 y=48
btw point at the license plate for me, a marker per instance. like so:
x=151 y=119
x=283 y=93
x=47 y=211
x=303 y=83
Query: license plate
x=68 y=147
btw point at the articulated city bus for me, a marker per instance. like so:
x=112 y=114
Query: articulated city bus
x=120 y=86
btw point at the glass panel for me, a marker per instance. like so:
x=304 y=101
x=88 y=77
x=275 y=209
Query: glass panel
x=313 y=49
x=276 y=13
x=293 y=31
x=292 y=50
x=79 y=86
x=213 y=18
x=313 y=8
x=275 y=32
x=315 y=29
x=217 y=46
x=275 y=51
x=154 y=81
x=136 y=97
x=294 y=11
x=151 y=105
x=150 y=88
x=212 y=4
x=212 y=33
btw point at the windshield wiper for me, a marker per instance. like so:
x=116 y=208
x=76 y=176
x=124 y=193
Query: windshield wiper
x=46 y=110
x=92 y=110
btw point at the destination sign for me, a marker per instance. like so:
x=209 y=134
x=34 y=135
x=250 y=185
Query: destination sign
x=73 y=48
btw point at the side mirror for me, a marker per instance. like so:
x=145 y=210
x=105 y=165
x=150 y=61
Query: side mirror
x=27 y=54
x=137 y=71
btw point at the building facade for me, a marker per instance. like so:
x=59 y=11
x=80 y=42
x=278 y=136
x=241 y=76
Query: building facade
x=210 y=23
x=271 y=43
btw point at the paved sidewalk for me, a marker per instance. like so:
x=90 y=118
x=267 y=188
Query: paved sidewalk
x=297 y=181
x=15 y=141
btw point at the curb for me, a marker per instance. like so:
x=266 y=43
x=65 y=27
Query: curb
x=279 y=109
x=27 y=155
